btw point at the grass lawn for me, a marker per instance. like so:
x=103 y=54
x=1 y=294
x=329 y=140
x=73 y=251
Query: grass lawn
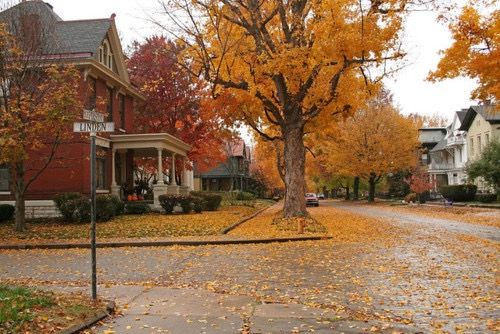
x=24 y=310
x=153 y=225
x=340 y=225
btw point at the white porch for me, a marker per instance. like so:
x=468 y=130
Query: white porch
x=159 y=146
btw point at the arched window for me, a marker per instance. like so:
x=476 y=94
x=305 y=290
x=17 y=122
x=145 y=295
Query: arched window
x=105 y=52
x=105 y=55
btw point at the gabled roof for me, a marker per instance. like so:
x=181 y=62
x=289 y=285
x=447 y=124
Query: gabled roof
x=83 y=36
x=461 y=115
x=490 y=113
x=60 y=37
x=76 y=41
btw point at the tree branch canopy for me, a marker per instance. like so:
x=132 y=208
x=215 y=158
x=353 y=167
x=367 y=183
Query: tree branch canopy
x=292 y=65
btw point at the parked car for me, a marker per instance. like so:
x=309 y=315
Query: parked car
x=312 y=199
x=321 y=196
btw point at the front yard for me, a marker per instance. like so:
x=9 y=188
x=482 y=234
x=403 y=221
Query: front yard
x=24 y=310
x=152 y=225
x=340 y=225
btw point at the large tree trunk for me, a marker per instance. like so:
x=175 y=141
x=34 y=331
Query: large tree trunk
x=356 y=188
x=371 y=192
x=294 y=154
x=19 y=191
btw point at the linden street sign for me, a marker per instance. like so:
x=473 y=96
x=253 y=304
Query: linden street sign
x=92 y=127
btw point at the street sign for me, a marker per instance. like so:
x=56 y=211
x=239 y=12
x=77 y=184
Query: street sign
x=95 y=123
x=92 y=127
x=93 y=116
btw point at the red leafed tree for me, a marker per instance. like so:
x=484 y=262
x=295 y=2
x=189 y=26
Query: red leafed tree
x=419 y=182
x=174 y=101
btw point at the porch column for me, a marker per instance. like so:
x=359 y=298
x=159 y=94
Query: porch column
x=183 y=174
x=159 y=175
x=115 y=188
x=173 y=182
x=123 y=168
x=113 y=167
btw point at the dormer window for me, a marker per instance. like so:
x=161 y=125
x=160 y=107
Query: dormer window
x=105 y=55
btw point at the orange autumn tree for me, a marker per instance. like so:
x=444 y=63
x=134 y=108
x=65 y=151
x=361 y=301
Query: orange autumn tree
x=475 y=51
x=376 y=141
x=38 y=103
x=295 y=62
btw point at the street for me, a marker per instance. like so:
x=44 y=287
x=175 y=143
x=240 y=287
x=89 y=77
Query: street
x=430 y=274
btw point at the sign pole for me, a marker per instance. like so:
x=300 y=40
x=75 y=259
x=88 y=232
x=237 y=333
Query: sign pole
x=94 y=123
x=93 y=187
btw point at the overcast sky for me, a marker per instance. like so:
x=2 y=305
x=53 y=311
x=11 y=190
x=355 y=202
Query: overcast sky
x=424 y=38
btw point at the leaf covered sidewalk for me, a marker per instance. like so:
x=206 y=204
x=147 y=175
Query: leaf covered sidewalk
x=391 y=273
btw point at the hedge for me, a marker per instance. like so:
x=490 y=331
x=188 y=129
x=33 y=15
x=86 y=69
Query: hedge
x=212 y=201
x=169 y=202
x=244 y=196
x=136 y=208
x=6 y=212
x=459 y=192
x=67 y=205
x=198 y=204
x=486 y=198
x=75 y=207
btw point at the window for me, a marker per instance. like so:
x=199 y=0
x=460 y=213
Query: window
x=90 y=104
x=4 y=178
x=472 y=147
x=487 y=138
x=479 y=147
x=105 y=55
x=109 y=103
x=122 y=111
x=101 y=173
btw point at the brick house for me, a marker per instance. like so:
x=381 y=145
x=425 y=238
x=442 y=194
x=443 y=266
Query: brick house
x=94 y=47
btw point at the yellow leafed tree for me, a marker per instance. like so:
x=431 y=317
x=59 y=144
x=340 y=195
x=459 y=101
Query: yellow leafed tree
x=376 y=141
x=293 y=64
x=475 y=51
x=38 y=102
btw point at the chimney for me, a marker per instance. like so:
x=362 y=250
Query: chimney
x=113 y=16
x=50 y=6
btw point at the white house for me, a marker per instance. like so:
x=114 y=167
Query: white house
x=446 y=152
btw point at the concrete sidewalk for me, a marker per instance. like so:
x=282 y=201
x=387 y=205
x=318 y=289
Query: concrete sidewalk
x=189 y=311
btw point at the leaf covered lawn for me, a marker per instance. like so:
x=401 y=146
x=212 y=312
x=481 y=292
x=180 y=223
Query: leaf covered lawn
x=26 y=310
x=341 y=225
x=152 y=225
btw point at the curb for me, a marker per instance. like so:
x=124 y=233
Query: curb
x=161 y=243
x=86 y=324
x=459 y=204
x=244 y=220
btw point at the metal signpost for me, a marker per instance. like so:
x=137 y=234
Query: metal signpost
x=94 y=124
